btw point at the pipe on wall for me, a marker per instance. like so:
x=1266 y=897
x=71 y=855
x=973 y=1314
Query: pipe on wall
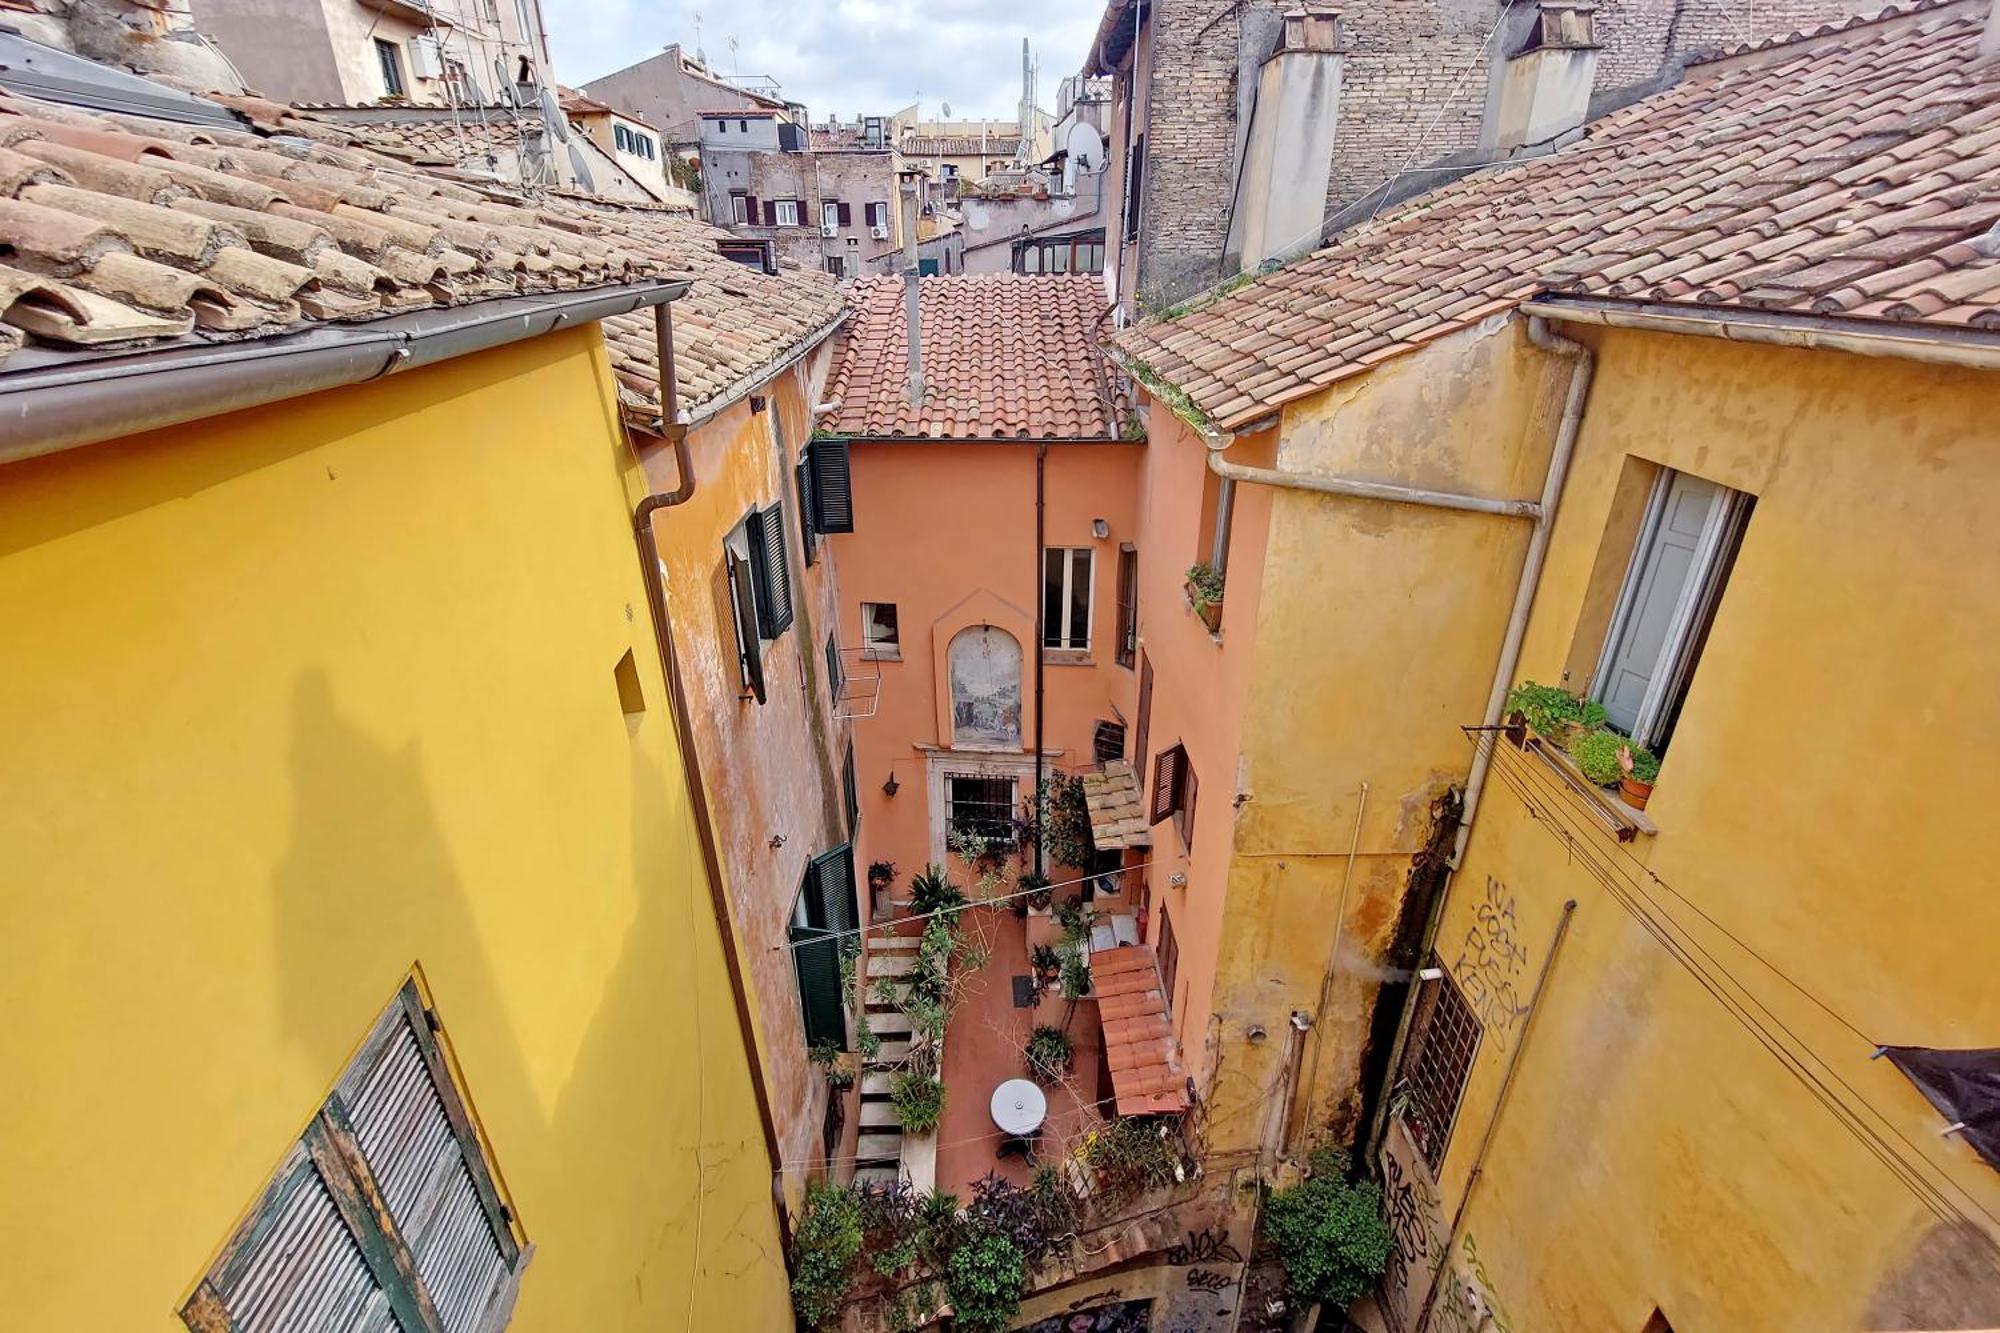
x=1326 y=483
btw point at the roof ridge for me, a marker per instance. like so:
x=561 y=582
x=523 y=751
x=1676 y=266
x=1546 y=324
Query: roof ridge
x=1780 y=45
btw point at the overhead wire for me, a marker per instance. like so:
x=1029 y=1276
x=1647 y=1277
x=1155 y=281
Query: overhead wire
x=1546 y=801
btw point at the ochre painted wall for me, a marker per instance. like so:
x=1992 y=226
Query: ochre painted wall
x=940 y=528
x=297 y=698
x=772 y=770
x=1821 y=803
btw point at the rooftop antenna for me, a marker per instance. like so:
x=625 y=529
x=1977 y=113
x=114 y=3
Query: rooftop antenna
x=699 y=54
x=735 y=63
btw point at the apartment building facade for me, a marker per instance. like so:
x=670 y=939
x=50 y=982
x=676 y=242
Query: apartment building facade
x=827 y=208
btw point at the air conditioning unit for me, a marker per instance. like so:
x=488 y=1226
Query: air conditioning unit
x=879 y=233
x=828 y=229
x=426 y=60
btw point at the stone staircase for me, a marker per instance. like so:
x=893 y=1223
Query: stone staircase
x=884 y=1152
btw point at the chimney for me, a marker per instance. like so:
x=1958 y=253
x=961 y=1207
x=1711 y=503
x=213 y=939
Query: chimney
x=1543 y=90
x=1288 y=159
x=907 y=184
x=1989 y=40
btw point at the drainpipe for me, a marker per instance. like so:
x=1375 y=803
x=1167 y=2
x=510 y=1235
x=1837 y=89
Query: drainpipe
x=1584 y=370
x=1355 y=487
x=675 y=430
x=913 y=324
x=1041 y=626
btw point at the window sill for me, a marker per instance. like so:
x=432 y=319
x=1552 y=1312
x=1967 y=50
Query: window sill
x=881 y=654
x=1066 y=656
x=1619 y=819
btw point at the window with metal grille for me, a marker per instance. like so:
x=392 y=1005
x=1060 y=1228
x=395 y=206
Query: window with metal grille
x=980 y=807
x=1066 y=572
x=824 y=919
x=384 y=1216
x=1126 y=648
x=1107 y=743
x=1445 y=1038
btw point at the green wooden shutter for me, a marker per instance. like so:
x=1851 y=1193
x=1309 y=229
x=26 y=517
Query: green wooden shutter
x=851 y=790
x=833 y=873
x=808 y=537
x=833 y=486
x=774 y=575
x=743 y=601
x=816 y=958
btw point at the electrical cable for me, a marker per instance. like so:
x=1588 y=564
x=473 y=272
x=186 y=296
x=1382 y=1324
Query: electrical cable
x=1535 y=792
x=826 y=936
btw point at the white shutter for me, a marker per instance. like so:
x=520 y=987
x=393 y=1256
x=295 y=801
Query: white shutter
x=1677 y=547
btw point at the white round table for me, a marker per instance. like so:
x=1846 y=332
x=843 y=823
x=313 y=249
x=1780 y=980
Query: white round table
x=1019 y=1107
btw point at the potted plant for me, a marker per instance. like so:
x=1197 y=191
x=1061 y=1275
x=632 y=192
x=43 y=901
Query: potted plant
x=1048 y=1054
x=1204 y=591
x=1639 y=769
x=881 y=874
x=1036 y=890
x=1555 y=714
x=919 y=1100
x=1046 y=962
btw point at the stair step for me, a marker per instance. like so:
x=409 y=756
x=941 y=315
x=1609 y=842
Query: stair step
x=901 y=990
x=894 y=943
x=892 y=1024
x=877 y=1175
x=880 y=1115
x=878 y=1147
x=876 y=1083
x=892 y=1052
x=891 y=965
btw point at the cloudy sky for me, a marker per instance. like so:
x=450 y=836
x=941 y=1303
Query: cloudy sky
x=847 y=56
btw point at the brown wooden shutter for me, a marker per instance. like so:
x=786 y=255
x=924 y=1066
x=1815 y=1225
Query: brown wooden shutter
x=750 y=209
x=845 y=213
x=1184 y=801
x=1166 y=783
x=1143 y=724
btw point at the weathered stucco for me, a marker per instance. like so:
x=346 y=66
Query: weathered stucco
x=298 y=697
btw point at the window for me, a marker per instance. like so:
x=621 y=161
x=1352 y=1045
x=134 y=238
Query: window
x=829 y=215
x=832 y=486
x=1170 y=957
x=1066 y=597
x=1107 y=741
x=784 y=213
x=1174 y=787
x=1127 y=645
x=742 y=127
x=1444 y=1038
x=836 y=265
x=1144 y=713
x=878 y=214
x=980 y=807
x=1135 y=187
x=739 y=208
x=878 y=630
x=642 y=144
x=620 y=138
x=458 y=84
x=824 y=919
x=760 y=589
x=836 y=679
x=385 y=1209
x=850 y=791
x=1687 y=544
x=391 y=61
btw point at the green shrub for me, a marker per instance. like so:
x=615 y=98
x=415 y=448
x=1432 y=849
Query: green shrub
x=1048 y=1054
x=1552 y=710
x=1645 y=765
x=919 y=1100
x=823 y=1253
x=930 y=891
x=1329 y=1233
x=1130 y=1156
x=1205 y=582
x=984 y=1280
x=1596 y=755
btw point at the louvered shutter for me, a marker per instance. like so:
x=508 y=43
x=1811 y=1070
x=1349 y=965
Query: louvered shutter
x=816 y=959
x=1145 y=721
x=750 y=210
x=851 y=790
x=808 y=539
x=296 y=1267
x=419 y=1144
x=833 y=487
x=774 y=577
x=844 y=213
x=833 y=874
x=1166 y=783
x=1184 y=801
x=743 y=601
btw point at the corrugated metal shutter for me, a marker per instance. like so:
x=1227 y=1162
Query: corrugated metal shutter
x=743 y=601
x=417 y=1151
x=301 y=1271
x=774 y=574
x=833 y=487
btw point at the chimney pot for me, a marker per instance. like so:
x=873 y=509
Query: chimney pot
x=1312 y=30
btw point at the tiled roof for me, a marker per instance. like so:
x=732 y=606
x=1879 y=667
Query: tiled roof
x=1852 y=175
x=119 y=231
x=961 y=145
x=1117 y=817
x=1005 y=357
x=1139 y=1047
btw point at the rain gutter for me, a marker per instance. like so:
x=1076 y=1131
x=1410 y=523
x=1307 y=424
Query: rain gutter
x=55 y=401
x=1972 y=348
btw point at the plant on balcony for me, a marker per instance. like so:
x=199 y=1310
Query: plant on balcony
x=823 y=1253
x=1329 y=1233
x=1554 y=712
x=1034 y=1219
x=1075 y=972
x=919 y=1099
x=1065 y=822
x=1035 y=889
x=1046 y=962
x=984 y=1279
x=1048 y=1052
x=1130 y=1156
x=931 y=892
x=866 y=1043
x=1204 y=590
x=827 y=1056
x=881 y=874
x=1611 y=760
x=1639 y=768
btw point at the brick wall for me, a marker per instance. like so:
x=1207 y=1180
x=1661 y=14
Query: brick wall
x=1414 y=91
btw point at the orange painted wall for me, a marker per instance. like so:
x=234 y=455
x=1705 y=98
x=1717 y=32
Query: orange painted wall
x=1200 y=685
x=947 y=533
x=771 y=770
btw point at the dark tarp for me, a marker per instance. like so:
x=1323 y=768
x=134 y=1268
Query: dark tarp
x=1964 y=1086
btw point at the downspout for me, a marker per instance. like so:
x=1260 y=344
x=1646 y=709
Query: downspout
x=1478 y=1171
x=1584 y=371
x=1041 y=627
x=675 y=430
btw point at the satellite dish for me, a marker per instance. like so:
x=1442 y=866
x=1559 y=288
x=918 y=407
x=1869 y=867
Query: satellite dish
x=582 y=170
x=553 y=117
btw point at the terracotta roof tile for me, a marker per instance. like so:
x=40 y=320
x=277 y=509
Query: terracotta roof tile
x=1117 y=817
x=118 y=230
x=1841 y=174
x=1139 y=1047
x=1005 y=357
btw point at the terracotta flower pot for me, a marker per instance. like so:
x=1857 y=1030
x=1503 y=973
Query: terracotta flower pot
x=1634 y=792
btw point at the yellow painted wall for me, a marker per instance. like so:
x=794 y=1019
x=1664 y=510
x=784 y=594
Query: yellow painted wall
x=1822 y=802
x=296 y=698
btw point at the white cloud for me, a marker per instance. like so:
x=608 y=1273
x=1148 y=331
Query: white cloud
x=848 y=57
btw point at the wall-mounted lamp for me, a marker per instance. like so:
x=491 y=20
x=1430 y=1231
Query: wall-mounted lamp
x=1099 y=529
x=1431 y=974
x=891 y=787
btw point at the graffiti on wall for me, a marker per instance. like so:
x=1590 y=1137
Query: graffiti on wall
x=1465 y=1302
x=1204 y=1247
x=1412 y=1204
x=1491 y=962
